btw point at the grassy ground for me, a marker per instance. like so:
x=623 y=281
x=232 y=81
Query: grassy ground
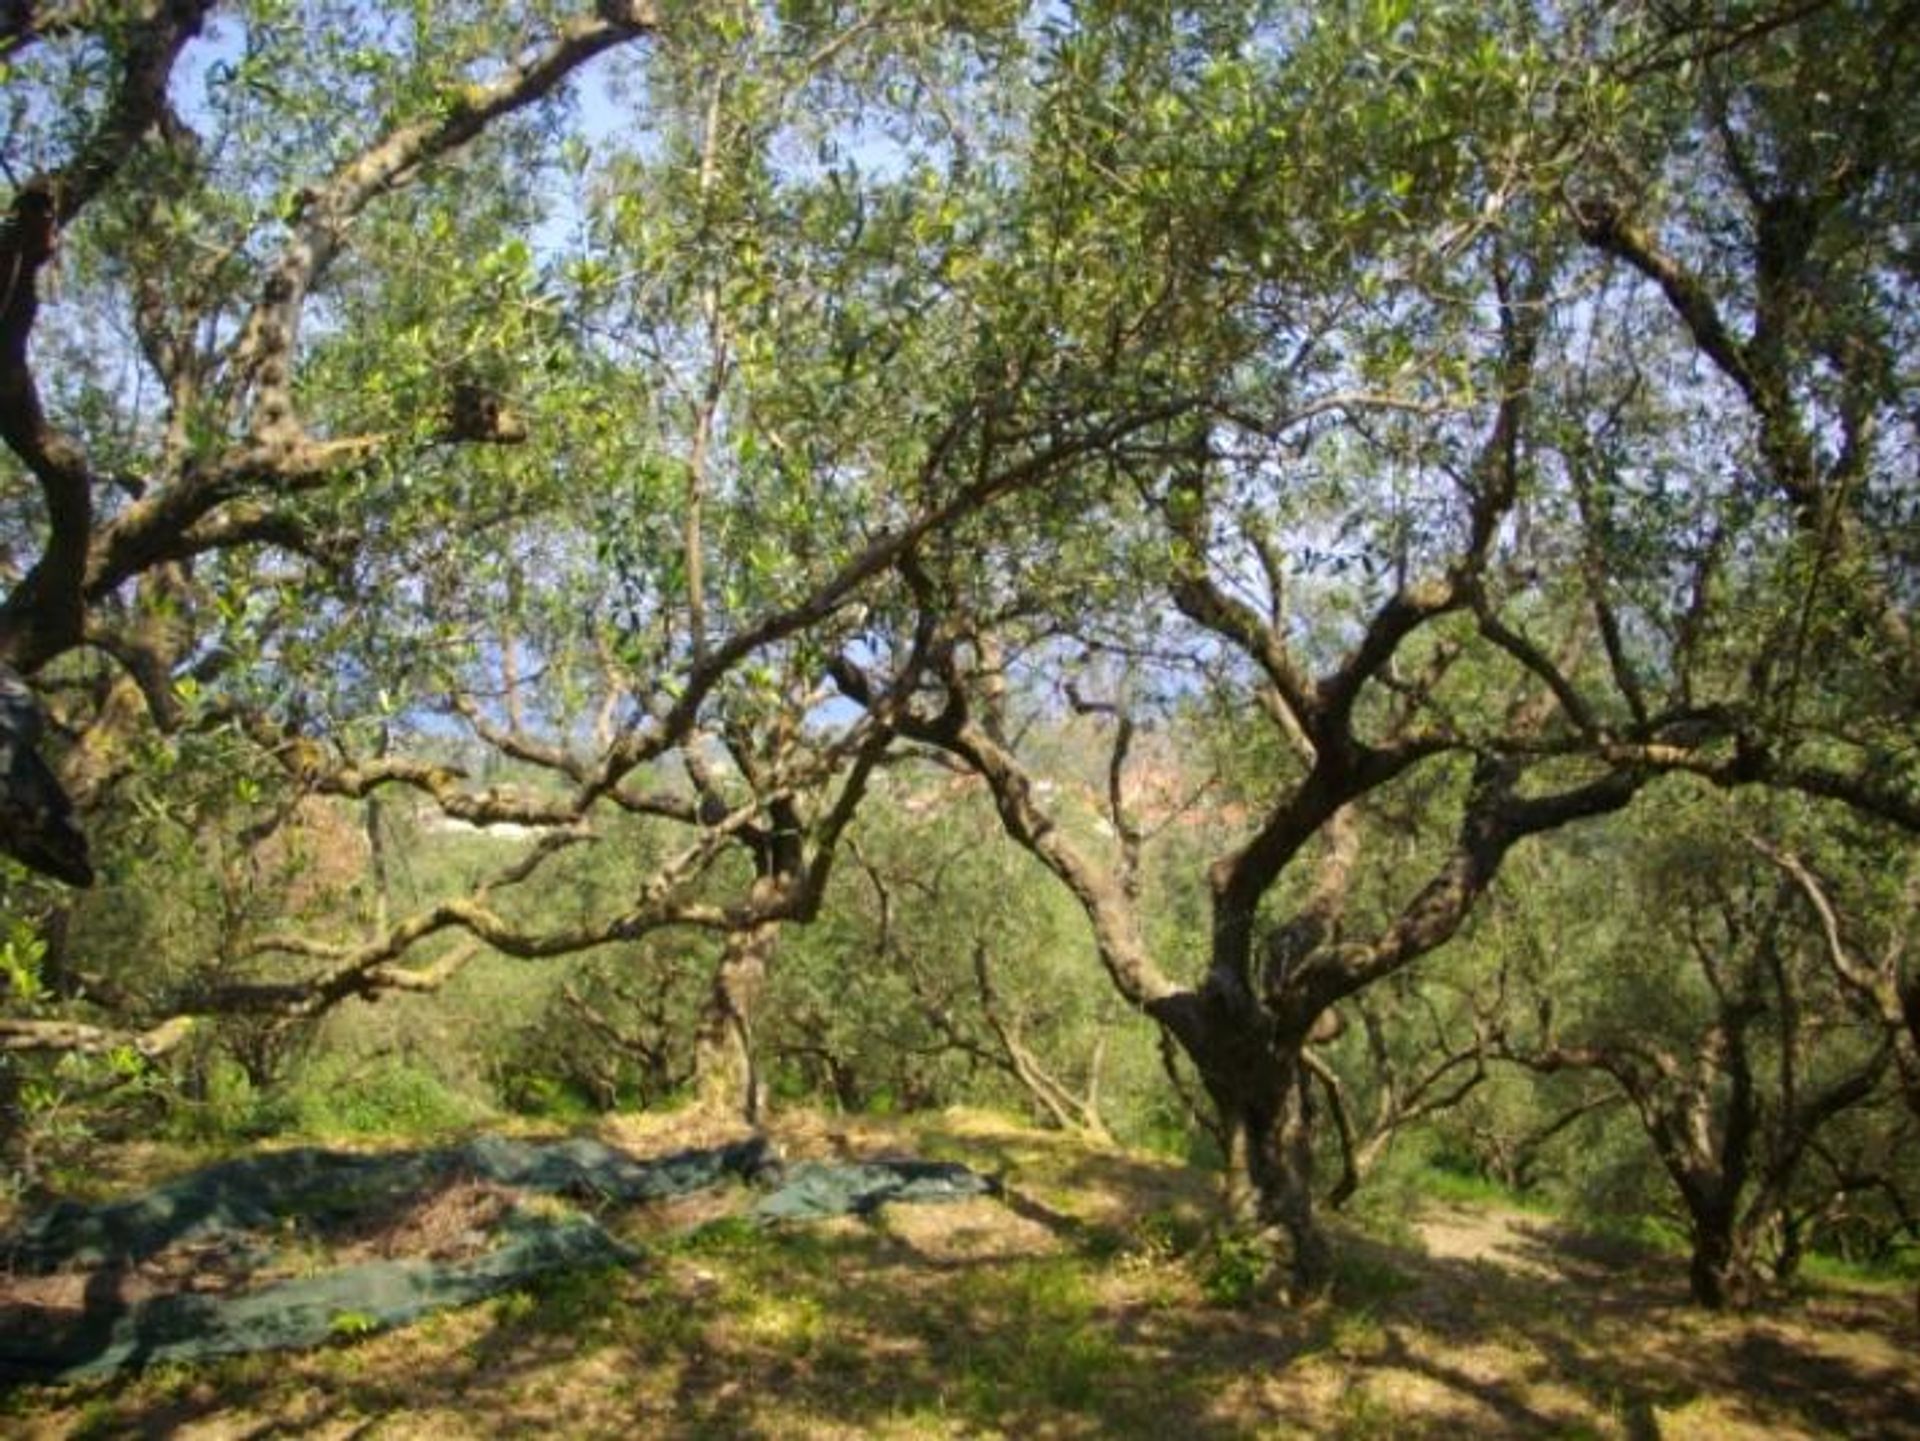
x=1086 y=1303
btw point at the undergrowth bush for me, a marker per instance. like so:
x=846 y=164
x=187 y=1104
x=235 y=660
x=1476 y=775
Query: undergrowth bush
x=384 y=1098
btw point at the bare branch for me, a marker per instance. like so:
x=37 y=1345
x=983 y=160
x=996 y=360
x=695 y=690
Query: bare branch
x=1603 y=226
x=70 y=1037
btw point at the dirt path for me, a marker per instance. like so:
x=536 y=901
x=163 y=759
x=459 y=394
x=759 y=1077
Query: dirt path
x=1554 y=1316
x=1510 y=1240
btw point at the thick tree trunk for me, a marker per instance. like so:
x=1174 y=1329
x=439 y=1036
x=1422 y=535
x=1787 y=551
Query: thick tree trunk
x=1262 y=1089
x=1270 y=1190
x=725 y=1078
x=1280 y=1167
x=1721 y=1273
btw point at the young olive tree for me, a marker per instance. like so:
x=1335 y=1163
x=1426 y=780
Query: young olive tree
x=1714 y=1011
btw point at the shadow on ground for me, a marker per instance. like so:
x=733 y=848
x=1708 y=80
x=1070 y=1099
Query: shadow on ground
x=1041 y=1314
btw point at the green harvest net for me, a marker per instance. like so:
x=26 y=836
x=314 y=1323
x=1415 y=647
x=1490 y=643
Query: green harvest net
x=238 y=1216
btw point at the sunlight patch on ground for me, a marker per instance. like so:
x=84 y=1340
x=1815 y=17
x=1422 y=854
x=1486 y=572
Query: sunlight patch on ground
x=1070 y=1307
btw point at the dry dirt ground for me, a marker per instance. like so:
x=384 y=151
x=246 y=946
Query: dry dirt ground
x=1083 y=1303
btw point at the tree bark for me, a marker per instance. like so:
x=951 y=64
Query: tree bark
x=1282 y=1173
x=1261 y=1088
x=1719 y=1275
x=726 y=1079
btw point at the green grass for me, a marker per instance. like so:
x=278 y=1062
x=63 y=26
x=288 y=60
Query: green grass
x=1034 y=1343
x=572 y=1303
x=1650 y=1233
x=1899 y=1269
x=1468 y=1189
x=1237 y=1270
x=1365 y=1279
x=1362 y=1416
x=391 y=1100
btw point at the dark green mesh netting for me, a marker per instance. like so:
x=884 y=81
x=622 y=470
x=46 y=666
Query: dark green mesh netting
x=240 y=1215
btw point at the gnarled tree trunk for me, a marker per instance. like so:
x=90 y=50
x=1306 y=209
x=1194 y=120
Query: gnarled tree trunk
x=725 y=1076
x=1278 y=1140
x=1719 y=1274
x=1261 y=1088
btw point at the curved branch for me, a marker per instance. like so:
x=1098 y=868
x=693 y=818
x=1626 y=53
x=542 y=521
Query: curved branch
x=1349 y=1181
x=264 y=349
x=45 y=612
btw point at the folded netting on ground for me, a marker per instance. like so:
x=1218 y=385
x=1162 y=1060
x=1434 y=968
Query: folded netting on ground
x=814 y=1191
x=95 y=1289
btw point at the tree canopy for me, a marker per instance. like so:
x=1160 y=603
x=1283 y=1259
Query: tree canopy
x=624 y=486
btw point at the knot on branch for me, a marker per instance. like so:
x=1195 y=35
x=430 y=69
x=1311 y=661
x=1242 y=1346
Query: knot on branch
x=1598 y=217
x=635 y=15
x=480 y=414
x=1291 y=943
